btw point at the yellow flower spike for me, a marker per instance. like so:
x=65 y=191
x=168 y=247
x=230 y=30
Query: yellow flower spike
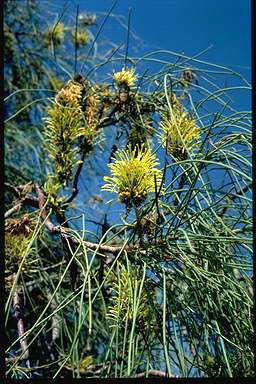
x=133 y=175
x=62 y=127
x=170 y=137
x=122 y=302
x=125 y=77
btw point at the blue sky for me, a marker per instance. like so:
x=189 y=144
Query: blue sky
x=189 y=27
x=182 y=26
x=186 y=26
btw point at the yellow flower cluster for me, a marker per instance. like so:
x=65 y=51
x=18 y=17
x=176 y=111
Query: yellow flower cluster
x=63 y=126
x=87 y=18
x=125 y=77
x=91 y=114
x=55 y=33
x=171 y=138
x=70 y=93
x=133 y=175
x=80 y=37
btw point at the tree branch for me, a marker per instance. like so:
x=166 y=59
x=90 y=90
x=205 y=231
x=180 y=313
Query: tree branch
x=74 y=188
x=63 y=231
x=22 y=198
x=153 y=372
x=20 y=325
x=93 y=246
x=12 y=210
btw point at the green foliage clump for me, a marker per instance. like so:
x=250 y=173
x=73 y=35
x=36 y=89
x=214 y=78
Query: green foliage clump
x=18 y=235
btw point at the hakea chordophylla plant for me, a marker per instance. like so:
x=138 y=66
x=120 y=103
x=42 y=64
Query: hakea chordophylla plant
x=126 y=77
x=170 y=137
x=133 y=175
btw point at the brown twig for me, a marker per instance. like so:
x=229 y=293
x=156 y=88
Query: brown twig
x=26 y=200
x=12 y=210
x=114 y=249
x=153 y=372
x=12 y=189
x=56 y=320
x=22 y=198
x=20 y=325
x=40 y=198
x=75 y=183
x=93 y=246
